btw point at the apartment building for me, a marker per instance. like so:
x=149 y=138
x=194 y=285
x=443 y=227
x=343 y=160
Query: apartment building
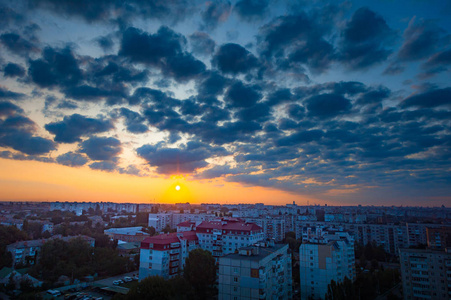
x=256 y=272
x=326 y=257
x=27 y=252
x=426 y=274
x=164 y=255
x=439 y=238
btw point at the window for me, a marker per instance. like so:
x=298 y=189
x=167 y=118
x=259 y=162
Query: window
x=235 y=279
x=235 y=270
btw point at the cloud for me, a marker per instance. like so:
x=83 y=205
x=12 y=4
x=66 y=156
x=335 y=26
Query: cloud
x=108 y=166
x=422 y=38
x=241 y=95
x=72 y=159
x=13 y=70
x=212 y=85
x=181 y=160
x=202 y=43
x=105 y=11
x=17 y=45
x=215 y=13
x=57 y=67
x=105 y=42
x=9 y=109
x=327 y=105
x=8 y=95
x=134 y=122
x=101 y=148
x=234 y=59
x=72 y=128
x=296 y=39
x=429 y=99
x=17 y=132
x=163 y=49
x=366 y=40
x=249 y=10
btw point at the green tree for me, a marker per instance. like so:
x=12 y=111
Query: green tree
x=200 y=272
x=153 y=287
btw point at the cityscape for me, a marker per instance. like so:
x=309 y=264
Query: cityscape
x=257 y=251
x=225 y=149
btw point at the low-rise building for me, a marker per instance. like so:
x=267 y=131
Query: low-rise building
x=126 y=234
x=256 y=272
x=27 y=252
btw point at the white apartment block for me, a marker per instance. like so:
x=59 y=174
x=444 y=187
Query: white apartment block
x=257 y=272
x=323 y=259
x=164 y=255
x=426 y=274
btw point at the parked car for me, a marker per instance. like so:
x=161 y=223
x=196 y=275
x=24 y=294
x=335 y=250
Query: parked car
x=127 y=279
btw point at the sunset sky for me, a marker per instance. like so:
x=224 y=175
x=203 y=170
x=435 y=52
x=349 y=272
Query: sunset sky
x=243 y=101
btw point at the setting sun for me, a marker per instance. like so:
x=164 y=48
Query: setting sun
x=177 y=188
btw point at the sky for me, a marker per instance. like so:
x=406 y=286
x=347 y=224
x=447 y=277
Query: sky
x=270 y=101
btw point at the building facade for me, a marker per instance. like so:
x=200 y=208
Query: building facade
x=327 y=257
x=426 y=274
x=256 y=272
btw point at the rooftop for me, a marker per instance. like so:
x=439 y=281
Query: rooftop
x=262 y=253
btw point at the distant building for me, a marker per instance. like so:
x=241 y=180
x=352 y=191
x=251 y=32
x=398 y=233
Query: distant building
x=126 y=234
x=27 y=252
x=256 y=272
x=323 y=258
x=439 y=238
x=426 y=274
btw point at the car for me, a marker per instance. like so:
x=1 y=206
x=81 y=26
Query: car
x=127 y=279
x=118 y=282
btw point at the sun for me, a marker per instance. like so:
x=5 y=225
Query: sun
x=177 y=187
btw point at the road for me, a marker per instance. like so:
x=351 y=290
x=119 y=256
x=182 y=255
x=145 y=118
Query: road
x=109 y=281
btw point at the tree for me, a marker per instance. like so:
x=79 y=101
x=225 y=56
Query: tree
x=153 y=287
x=200 y=272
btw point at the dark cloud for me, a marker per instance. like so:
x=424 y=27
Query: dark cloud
x=215 y=13
x=9 y=109
x=17 y=132
x=8 y=95
x=89 y=93
x=327 y=105
x=108 y=166
x=101 y=148
x=163 y=50
x=9 y=17
x=73 y=127
x=234 y=59
x=429 y=99
x=202 y=43
x=17 y=45
x=185 y=159
x=106 y=11
x=301 y=137
x=105 y=42
x=241 y=95
x=422 y=38
x=250 y=10
x=439 y=62
x=366 y=40
x=259 y=112
x=13 y=70
x=134 y=122
x=56 y=67
x=296 y=39
x=212 y=85
x=72 y=159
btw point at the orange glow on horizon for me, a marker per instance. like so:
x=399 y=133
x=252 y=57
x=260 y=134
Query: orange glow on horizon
x=38 y=181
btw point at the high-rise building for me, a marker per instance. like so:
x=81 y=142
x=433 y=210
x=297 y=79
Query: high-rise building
x=327 y=257
x=256 y=272
x=426 y=274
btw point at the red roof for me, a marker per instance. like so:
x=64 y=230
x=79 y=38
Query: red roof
x=167 y=239
x=186 y=224
x=229 y=225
